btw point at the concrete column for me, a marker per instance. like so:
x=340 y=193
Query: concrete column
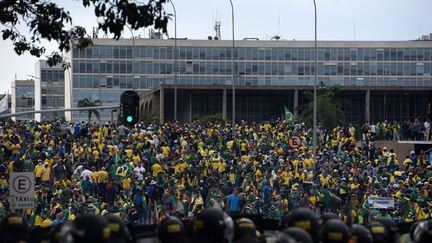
x=190 y=107
x=367 y=106
x=224 y=104
x=295 y=102
x=161 y=105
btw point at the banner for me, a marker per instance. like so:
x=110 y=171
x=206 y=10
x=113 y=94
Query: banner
x=381 y=202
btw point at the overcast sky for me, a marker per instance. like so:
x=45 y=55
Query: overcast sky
x=337 y=20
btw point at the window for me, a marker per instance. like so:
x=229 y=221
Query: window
x=353 y=54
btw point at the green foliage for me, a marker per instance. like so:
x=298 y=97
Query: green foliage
x=148 y=118
x=46 y=20
x=215 y=118
x=329 y=109
x=88 y=102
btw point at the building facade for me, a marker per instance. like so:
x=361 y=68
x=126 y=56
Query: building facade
x=49 y=90
x=380 y=79
x=23 y=99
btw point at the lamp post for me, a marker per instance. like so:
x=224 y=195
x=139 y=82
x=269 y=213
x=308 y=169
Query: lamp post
x=314 y=139
x=232 y=68
x=175 y=61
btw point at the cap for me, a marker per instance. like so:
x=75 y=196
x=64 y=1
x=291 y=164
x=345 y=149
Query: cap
x=335 y=231
x=379 y=232
x=244 y=227
x=14 y=227
x=298 y=234
x=91 y=228
x=391 y=228
x=303 y=218
x=118 y=230
x=361 y=234
x=171 y=229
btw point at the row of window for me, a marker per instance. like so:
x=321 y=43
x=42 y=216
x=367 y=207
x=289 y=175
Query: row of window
x=254 y=68
x=129 y=82
x=249 y=53
x=52 y=75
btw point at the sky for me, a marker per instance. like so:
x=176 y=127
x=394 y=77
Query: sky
x=290 y=19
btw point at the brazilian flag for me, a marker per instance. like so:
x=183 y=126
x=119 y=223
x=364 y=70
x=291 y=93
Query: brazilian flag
x=289 y=117
x=121 y=171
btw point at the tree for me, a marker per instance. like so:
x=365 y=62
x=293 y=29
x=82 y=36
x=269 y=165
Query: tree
x=329 y=109
x=88 y=102
x=148 y=117
x=44 y=19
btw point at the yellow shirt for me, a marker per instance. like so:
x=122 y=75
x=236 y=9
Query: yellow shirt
x=38 y=171
x=126 y=183
x=156 y=168
x=46 y=174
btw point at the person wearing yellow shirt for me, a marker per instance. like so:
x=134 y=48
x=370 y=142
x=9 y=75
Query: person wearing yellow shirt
x=324 y=179
x=126 y=184
x=128 y=152
x=307 y=163
x=45 y=173
x=102 y=176
x=230 y=144
x=165 y=151
x=156 y=168
x=136 y=159
x=95 y=153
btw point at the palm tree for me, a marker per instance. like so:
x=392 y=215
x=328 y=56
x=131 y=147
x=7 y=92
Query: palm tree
x=88 y=102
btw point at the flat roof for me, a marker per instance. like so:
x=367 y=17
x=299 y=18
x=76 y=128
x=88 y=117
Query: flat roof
x=265 y=43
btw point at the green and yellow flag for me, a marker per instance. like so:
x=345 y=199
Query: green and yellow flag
x=289 y=117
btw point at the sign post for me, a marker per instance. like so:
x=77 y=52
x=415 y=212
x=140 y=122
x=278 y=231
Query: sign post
x=21 y=190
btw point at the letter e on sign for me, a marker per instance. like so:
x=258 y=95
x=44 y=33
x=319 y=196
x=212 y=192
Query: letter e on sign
x=295 y=142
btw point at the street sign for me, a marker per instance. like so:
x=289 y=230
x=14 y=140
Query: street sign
x=295 y=141
x=21 y=190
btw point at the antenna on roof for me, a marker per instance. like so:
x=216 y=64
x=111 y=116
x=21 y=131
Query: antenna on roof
x=217 y=28
x=354 y=30
x=277 y=36
x=278 y=23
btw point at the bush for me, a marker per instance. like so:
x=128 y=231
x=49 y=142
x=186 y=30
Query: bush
x=215 y=118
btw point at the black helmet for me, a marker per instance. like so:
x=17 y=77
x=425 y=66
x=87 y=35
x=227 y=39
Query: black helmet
x=212 y=224
x=379 y=232
x=119 y=231
x=282 y=238
x=244 y=227
x=299 y=234
x=391 y=228
x=334 y=230
x=14 y=227
x=91 y=228
x=171 y=229
x=423 y=232
x=303 y=218
x=361 y=234
x=412 y=229
x=327 y=216
x=62 y=232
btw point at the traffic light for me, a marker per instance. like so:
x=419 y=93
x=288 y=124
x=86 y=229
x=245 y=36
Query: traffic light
x=129 y=105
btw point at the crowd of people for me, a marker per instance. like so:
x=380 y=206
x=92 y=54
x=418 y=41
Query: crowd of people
x=408 y=130
x=149 y=172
